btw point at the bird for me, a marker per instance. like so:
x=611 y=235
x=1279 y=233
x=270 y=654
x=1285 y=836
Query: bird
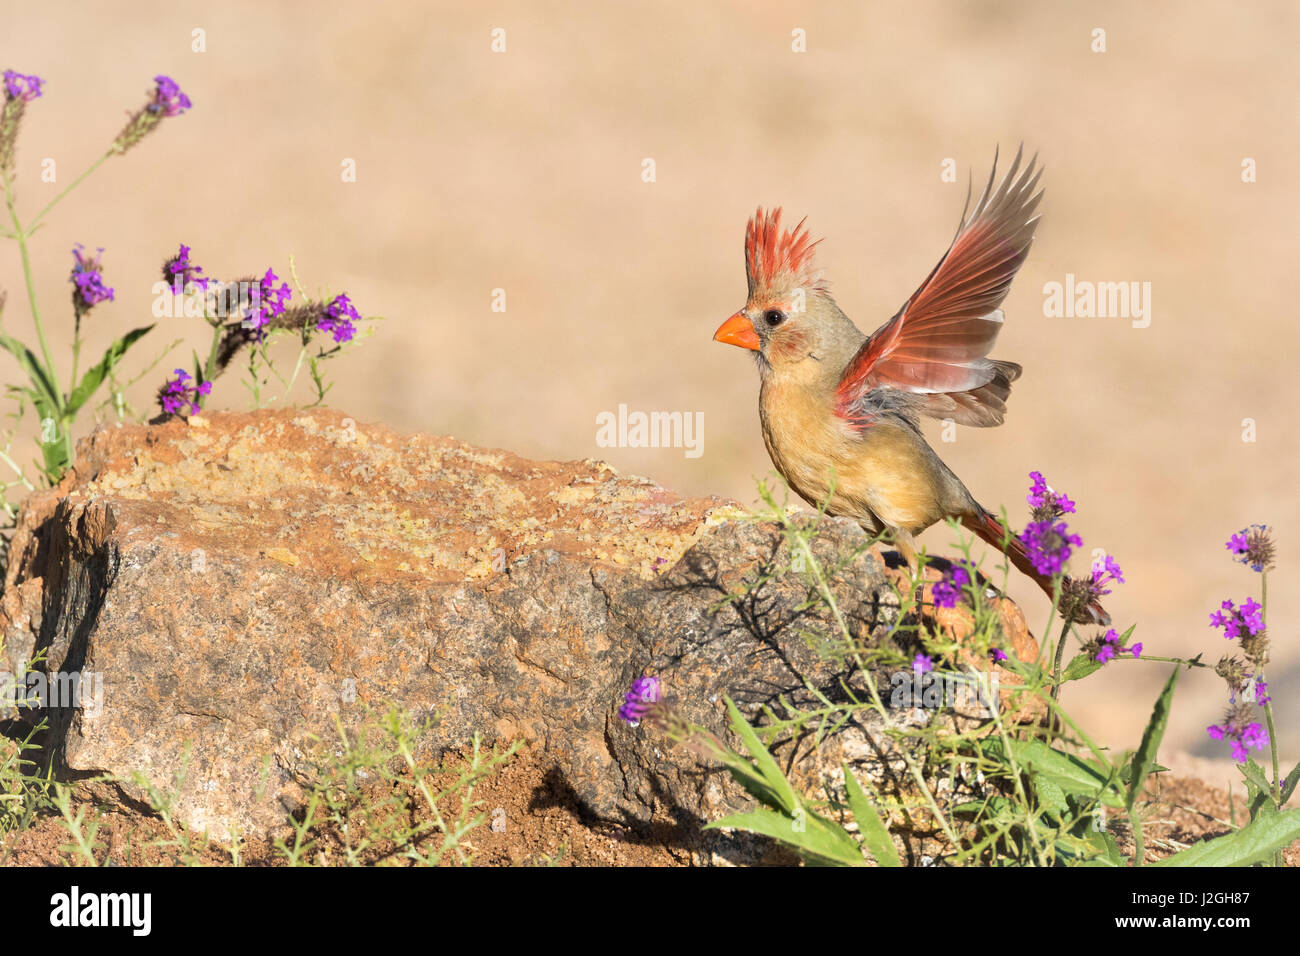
x=840 y=411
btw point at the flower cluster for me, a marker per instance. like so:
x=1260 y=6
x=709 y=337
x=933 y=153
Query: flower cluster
x=21 y=87
x=20 y=90
x=1078 y=593
x=641 y=700
x=269 y=301
x=1244 y=733
x=168 y=100
x=165 y=100
x=338 y=318
x=1241 y=621
x=948 y=589
x=178 y=392
x=1049 y=545
x=1244 y=623
x=88 y=281
x=1047 y=505
x=1106 y=647
x=178 y=270
x=1253 y=546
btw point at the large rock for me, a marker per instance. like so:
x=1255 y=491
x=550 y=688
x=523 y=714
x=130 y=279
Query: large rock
x=238 y=580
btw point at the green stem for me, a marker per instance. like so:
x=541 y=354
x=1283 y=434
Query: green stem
x=1060 y=656
x=1268 y=708
x=71 y=186
x=21 y=238
x=76 y=352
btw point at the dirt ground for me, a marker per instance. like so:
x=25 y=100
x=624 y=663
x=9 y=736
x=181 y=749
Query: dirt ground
x=543 y=827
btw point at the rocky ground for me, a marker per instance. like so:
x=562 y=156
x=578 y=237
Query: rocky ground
x=238 y=584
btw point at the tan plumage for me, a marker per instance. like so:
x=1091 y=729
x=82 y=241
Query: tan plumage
x=840 y=410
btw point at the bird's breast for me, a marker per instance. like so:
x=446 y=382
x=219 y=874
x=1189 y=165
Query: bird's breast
x=884 y=474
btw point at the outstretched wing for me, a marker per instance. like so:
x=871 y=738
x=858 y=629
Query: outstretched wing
x=937 y=346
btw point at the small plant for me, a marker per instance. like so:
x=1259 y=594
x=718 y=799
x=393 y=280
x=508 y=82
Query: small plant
x=244 y=315
x=1047 y=793
x=371 y=801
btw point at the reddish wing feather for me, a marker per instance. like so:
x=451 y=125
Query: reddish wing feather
x=939 y=340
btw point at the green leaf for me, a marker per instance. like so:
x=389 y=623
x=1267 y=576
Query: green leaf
x=1080 y=666
x=1108 y=851
x=1258 y=789
x=874 y=833
x=96 y=374
x=37 y=374
x=1145 y=756
x=1256 y=842
x=1289 y=784
x=1051 y=797
x=813 y=834
x=782 y=795
x=1072 y=774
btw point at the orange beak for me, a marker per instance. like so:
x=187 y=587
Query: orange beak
x=738 y=330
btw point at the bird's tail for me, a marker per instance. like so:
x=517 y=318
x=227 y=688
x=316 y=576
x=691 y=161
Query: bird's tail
x=990 y=529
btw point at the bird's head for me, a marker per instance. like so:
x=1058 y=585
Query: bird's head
x=789 y=318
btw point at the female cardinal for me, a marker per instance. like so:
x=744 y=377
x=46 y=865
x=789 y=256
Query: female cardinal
x=840 y=410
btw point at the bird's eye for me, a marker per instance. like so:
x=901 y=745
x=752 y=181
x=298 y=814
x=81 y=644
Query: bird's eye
x=773 y=317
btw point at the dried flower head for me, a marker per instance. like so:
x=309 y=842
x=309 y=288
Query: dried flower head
x=1078 y=593
x=1253 y=546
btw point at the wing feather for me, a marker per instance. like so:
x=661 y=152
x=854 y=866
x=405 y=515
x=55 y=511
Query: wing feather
x=938 y=342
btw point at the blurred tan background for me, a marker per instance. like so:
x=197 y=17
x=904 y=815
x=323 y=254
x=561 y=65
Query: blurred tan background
x=522 y=171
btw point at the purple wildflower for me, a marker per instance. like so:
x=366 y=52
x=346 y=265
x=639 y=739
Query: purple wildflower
x=176 y=393
x=646 y=692
x=921 y=664
x=1048 y=505
x=168 y=100
x=89 y=281
x=1258 y=690
x=1241 y=621
x=997 y=655
x=21 y=87
x=1048 y=545
x=947 y=590
x=180 y=269
x=1253 y=546
x=1108 y=646
x=1244 y=736
x=268 y=302
x=338 y=319
x=1103 y=575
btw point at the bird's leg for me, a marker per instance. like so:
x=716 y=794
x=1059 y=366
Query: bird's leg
x=906 y=546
